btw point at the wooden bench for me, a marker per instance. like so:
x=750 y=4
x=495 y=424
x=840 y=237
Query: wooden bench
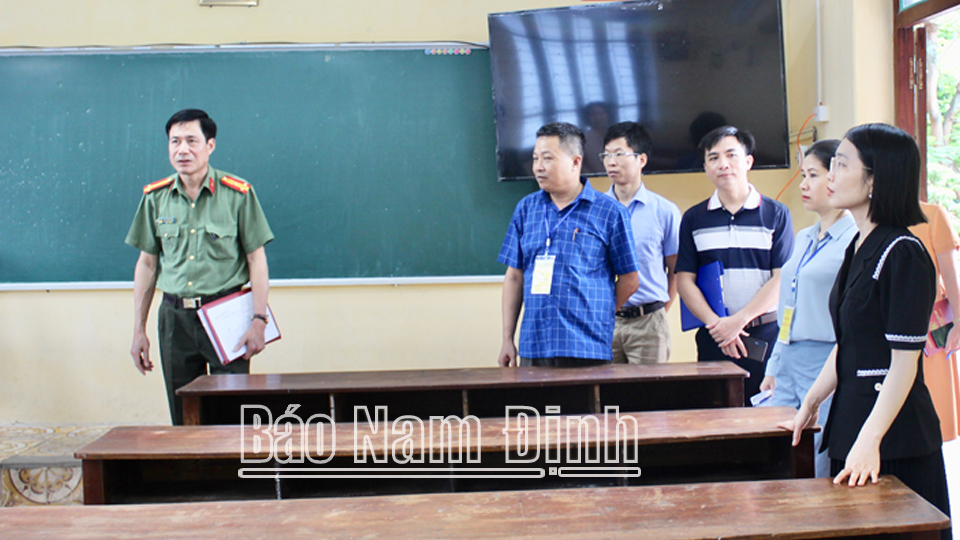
x=481 y=392
x=795 y=509
x=190 y=463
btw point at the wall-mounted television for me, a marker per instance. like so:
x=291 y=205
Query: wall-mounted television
x=679 y=67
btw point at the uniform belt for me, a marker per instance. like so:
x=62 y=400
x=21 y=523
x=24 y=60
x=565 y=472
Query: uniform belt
x=632 y=312
x=763 y=319
x=198 y=301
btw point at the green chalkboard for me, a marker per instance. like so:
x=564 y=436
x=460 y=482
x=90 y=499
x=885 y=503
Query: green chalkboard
x=368 y=163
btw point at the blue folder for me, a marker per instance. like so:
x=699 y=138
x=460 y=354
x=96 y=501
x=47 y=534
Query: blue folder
x=710 y=283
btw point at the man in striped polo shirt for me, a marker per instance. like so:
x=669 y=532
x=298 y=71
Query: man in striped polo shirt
x=752 y=237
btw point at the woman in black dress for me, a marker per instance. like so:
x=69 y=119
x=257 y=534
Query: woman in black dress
x=882 y=419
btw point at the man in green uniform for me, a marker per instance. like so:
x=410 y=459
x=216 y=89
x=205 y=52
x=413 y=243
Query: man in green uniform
x=200 y=234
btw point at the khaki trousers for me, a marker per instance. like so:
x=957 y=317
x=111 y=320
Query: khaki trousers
x=642 y=340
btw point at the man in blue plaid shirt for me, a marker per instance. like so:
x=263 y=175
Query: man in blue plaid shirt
x=564 y=248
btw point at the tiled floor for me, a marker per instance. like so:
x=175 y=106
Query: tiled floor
x=37 y=464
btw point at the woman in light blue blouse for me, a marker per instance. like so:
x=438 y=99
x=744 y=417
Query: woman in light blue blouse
x=806 y=329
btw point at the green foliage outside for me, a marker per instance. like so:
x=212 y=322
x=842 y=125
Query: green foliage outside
x=943 y=148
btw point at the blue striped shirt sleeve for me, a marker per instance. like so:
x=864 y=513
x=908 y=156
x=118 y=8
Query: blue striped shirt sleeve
x=511 y=253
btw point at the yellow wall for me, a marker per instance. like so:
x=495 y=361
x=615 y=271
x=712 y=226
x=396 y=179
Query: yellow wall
x=63 y=354
x=858 y=64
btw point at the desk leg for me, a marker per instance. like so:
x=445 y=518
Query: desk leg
x=191 y=410
x=94 y=490
x=278 y=482
x=735 y=392
x=802 y=454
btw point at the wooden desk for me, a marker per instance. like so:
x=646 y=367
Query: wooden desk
x=779 y=509
x=481 y=392
x=190 y=463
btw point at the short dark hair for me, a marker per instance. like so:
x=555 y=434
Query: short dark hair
x=892 y=156
x=207 y=125
x=824 y=151
x=711 y=139
x=637 y=137
x=571 y=137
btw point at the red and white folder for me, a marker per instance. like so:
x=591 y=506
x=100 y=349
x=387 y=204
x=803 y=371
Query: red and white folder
x=227 y=319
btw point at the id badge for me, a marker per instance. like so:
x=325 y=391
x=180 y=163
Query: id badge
x=542 y=274
x=784 y=336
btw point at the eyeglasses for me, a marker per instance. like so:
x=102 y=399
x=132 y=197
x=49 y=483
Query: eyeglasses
x=619 y=155
x=834 y=165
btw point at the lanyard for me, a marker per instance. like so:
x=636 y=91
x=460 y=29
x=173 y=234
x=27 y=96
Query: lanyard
x=551 y=231
x=805 y=261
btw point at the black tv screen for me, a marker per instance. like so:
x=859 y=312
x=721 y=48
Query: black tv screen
x=679 y=67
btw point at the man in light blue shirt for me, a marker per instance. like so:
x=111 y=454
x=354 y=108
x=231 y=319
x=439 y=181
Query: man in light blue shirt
x=642 y=334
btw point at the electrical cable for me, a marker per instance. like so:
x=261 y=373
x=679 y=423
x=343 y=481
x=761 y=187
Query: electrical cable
x=799 y=156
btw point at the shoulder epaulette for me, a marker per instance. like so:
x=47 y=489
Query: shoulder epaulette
x=238 y=185
x=157 y=185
